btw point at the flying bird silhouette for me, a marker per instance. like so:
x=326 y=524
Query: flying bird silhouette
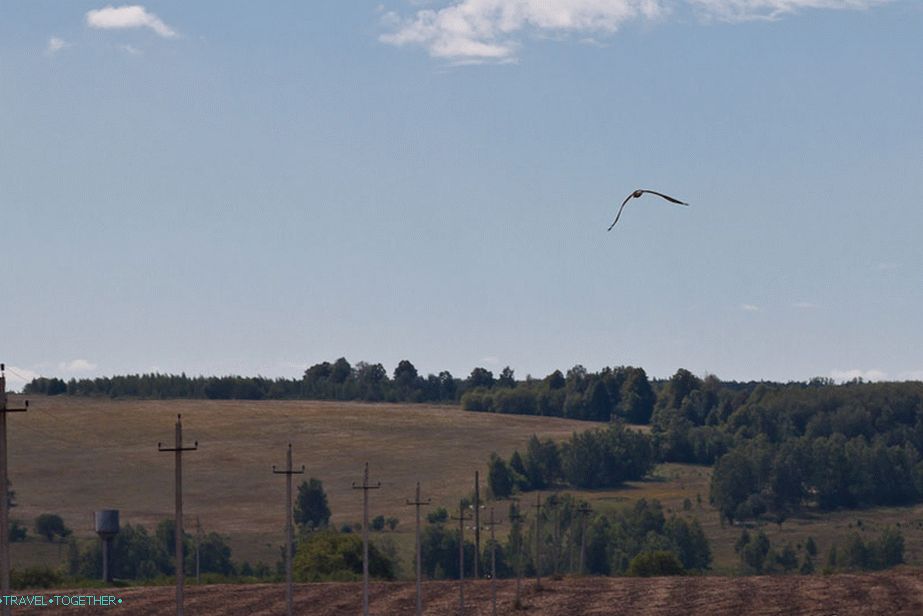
x=637 y=194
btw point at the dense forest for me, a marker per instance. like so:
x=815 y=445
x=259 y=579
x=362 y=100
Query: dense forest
x=776 y=447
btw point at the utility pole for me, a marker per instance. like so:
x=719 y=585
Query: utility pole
x=289 y=539
x=493 y=564
x=516 y=519
x=416 y=502
x=365 y=487
x=178 y=450
x=5 y=490
x=538 y=541
x=583 y=511
x=198 y=544
x=461 y=557
x=555 y=535
x=477 y=523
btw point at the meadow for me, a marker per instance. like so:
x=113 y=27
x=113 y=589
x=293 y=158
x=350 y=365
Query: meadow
x=73 y=455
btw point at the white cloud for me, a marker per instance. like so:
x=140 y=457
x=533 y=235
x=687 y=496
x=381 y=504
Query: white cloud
x=55 y=45
x=855 y=373
x=135 y=16
x=77 y=365
x=910 y=375
x=490 y=359
x=466 y=31
x=746 y=10
x=129 y=49
x=482 y=30
x=750 y=307
x=16 y=377
x=804 y=305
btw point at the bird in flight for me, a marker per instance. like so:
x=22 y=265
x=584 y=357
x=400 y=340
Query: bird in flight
x=637 y=194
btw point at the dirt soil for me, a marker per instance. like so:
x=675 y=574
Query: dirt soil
x=898 y=591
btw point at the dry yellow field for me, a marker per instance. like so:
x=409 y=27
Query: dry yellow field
x=72 y=456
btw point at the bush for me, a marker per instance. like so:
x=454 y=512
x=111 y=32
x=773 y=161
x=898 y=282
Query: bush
x=332 y=556
x=657 y=563
x=34 y=577
x=49 y=526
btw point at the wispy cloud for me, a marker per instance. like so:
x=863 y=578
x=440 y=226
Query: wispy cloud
x=77 y=365
x=130 y=50
x=490 y=359
x=134 y=16
x=749 y=10
x=804 y=305
x=484 y=30
x=466 y=31
x=750 y=307
x=55 y=45
x=855 y=373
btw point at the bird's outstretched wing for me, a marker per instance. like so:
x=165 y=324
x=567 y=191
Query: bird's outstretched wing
x=667 y=197
x=638 y=193
x=621 y=207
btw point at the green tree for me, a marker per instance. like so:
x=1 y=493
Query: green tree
x=506 y=378
x=50 y=525
x=311 y=507
x=499 y=477
x=637 y=397
x=481 y=377
x=331 y=556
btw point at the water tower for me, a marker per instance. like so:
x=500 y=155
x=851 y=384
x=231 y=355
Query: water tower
x=107 y=527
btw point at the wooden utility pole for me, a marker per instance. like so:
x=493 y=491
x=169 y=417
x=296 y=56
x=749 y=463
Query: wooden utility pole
x=416 y=502
x=538 y=541
x=477 y=523
x=583 y=511
x=461 y=557
x=493 y=564
x=198 y=545
x=178 y=450
x=516 y=519
x=289 y=533
x=5 y=493
x=365 y=487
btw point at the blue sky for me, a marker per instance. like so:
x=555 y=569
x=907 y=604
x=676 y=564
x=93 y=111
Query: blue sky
x=217 y=187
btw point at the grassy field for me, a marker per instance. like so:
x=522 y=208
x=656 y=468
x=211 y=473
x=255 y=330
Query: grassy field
x=673 y=483
x=72 y=456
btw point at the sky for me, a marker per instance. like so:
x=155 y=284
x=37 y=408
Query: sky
x=252 y=188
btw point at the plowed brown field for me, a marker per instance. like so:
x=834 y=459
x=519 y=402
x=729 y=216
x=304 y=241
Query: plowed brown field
x=894 y=592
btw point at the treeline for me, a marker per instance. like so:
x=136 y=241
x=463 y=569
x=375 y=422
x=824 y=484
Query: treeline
x=623 y=392
x=601 y=458
x=338 y=380
x=779 y=448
